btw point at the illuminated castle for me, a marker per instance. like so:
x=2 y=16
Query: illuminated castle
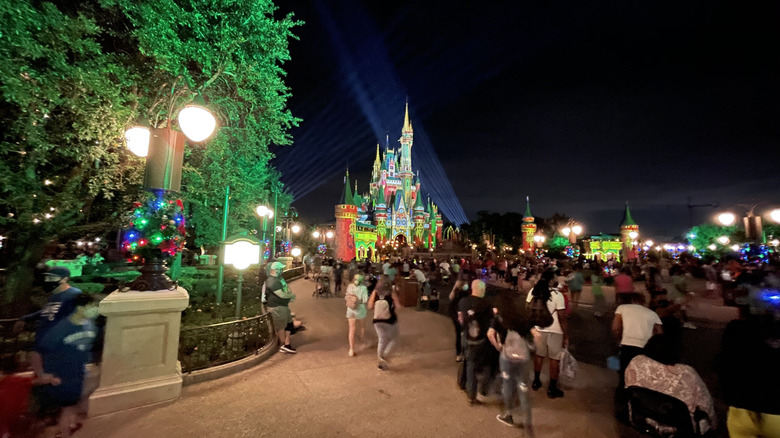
x=392 y=212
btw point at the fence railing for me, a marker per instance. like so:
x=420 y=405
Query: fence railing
x=292 y=273
x=217 y=344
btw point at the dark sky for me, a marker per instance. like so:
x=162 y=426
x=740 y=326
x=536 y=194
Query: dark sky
x=581 y=105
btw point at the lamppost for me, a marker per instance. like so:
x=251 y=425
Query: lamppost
x=163 y=148
x=753 y=224
x=241 y=252
x=572 y=231
x=288 y=226
x=265 y=213
x=539 y=240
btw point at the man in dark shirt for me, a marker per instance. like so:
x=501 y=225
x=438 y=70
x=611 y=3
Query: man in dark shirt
x=278 y=297
x=475 y=315
x=60 y=305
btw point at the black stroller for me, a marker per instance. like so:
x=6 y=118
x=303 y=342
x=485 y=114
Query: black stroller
x=322 y=286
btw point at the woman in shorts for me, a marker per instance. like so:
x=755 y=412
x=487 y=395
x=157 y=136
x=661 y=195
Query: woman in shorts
x=355 y=315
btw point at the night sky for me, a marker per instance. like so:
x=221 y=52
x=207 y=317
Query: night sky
x=581 y=105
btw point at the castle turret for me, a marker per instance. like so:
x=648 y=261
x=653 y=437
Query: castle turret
x=528 y=228
x=629 y=233
x=405 y=165
x=346 y=215
x=418 y=217
x=380 y=217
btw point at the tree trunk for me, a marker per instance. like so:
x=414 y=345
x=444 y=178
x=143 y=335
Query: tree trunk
x=21 y=271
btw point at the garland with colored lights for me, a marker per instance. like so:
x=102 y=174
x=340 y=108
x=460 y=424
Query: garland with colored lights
x=154 y=228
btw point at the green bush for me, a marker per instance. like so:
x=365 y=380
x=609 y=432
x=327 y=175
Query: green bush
x=89 y=288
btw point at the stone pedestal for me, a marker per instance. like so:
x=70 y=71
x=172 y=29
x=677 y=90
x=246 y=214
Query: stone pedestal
x=288 y=261
x=140 y=356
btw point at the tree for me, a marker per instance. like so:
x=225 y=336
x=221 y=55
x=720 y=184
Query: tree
x=63 y=169
x=74 y=75
x=704 y=235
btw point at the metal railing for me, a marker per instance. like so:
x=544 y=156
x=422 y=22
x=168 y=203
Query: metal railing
x=217 y=344
x=293 y=273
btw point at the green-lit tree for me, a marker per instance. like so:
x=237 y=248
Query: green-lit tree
x=74 y=75
x=704 y=235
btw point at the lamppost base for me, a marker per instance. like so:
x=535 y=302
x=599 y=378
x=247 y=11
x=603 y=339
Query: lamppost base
x=153 y=277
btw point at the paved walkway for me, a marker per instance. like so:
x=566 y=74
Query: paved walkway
x=324 y=393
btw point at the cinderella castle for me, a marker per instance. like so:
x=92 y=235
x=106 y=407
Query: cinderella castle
x=392 y=213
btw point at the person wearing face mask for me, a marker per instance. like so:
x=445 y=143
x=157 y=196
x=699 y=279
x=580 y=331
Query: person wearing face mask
x=278 y=297
x=459 y=290
x=59 y=306
x=65 y=349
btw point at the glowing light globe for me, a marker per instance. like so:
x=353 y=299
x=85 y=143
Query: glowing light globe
x=295 y=252
x=577 y=229
x=329 y=234
x=315 y=234
x=727 y=219
x=565 y=231
x=775 y=215
x=262 y=210
x=242 y=254
x=296 y=229
x=137 y=140
x=723 y=240
x=196 y=122
x=633 y=234
x=712 y=247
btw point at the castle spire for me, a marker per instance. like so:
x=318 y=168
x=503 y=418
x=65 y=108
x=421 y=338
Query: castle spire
x=407 y=124
x=347 y=199
x=527 y=208
x=627 y=219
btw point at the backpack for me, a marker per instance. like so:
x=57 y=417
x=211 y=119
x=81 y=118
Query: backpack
x=382 y=308
x=472 y=330
x=351 y=300
x=539 y=314
x=515 y=347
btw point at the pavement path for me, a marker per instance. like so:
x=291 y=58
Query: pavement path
x=322 y=392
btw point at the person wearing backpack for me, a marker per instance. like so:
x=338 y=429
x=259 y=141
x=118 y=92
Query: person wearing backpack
x=474 y=315
x=384 y=301
x=509 y=332
x=356 y=298
x=550 y=338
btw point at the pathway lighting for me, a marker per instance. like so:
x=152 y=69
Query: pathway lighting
x=775 y=215
x=727 y=219
x=723 y=240
x=566 y=231
x=315 y=234
x=774 y=242
x=137 y=140
x=296 y=228
x=649 y=242
x=329 y=234
x=735 y=247
x=712 y=247
x=241 y=252
x=577 y=229
x=295 y=252
x=196 y=122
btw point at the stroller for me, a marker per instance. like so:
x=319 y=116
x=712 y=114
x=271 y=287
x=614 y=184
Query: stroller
x=322 y=287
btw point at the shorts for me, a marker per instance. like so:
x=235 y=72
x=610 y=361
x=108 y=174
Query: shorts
x=281 y=317
x=358 y=312
x=549 y=345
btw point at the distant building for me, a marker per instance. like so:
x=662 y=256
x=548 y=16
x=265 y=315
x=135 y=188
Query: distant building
x=392 y=212
x=621 y=247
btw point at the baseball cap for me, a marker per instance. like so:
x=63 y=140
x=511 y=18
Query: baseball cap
x=58 y=271
x=277 y=265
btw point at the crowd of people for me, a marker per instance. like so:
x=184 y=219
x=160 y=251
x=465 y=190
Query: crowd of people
x=502 y=341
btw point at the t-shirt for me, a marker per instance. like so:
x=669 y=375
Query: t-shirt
x=638 y=322
x=391 y=271
x=360 y=291
x=65 y=350
x=420 y=276
x=386 y=267
x=476 y=308
x=59 y=306
x=624 y=283
x=445 y=266
x=273 y=284
x=555 y=303
x=576 y=282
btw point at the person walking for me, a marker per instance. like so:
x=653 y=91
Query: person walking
x=338 y=273
x=508 y=333
x=65 y=350
x=575 y=281
x=459 y=291
x=278 y=298
x=624 y=286
x=356 y=298
x=549 y=341
x=474 y=315
x=384 y=302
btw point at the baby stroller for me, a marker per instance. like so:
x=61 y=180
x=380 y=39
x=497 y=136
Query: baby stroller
x=322 y=287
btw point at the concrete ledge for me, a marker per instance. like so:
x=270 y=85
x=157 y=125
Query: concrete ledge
x=135 y=394
x=219 y=371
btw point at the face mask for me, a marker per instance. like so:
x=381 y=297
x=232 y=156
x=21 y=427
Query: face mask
x=92 y=312
x=49 y=286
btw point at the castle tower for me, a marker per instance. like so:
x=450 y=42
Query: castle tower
x=528 y=228
x=629 y=232
x=346 y=215
x=376 y=174
x=439 y=226
x=380 y=217
x=419 y=221
x=405 y=167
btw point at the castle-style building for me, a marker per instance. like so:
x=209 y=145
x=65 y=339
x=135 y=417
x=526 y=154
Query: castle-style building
x=392 y=211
